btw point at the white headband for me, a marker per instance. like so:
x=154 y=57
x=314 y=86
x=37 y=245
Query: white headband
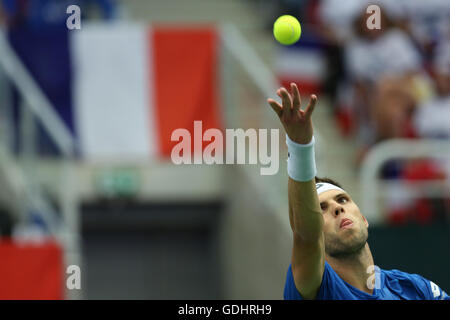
x=324 y=186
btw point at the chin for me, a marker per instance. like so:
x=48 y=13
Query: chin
x=346 y=245
x=346 y=251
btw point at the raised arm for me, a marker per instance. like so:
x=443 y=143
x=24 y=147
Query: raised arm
x=305 y=215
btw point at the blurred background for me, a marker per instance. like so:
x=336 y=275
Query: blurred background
x=86 y=117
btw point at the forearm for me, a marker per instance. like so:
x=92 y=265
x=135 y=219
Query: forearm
x=304 y=210
x=306 y=217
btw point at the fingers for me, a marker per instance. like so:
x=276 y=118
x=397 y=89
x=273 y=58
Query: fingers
x=285 y=100
x=289 y=104
x=275 y=106
x=311 y=105
x=296 y=101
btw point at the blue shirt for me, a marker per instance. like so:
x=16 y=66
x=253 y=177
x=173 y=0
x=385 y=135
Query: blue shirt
x=388 y=285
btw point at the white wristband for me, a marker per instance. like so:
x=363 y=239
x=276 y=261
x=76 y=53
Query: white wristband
x=301 y=160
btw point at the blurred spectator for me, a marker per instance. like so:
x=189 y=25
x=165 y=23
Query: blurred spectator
x=384 y=76
x=337 y=17
x=334 y=26
x=377 y=53
x=428 y=22
x=432 y=119
x=386 y=73
x=384 y=89
x=342 y=25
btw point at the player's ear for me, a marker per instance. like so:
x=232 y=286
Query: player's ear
x=365 y=221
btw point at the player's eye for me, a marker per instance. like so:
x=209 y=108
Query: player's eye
x=343 y=200
x=323 y=206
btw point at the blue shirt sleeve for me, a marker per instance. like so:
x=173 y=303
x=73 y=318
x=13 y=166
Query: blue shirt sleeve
x=430 y=290
x=435 y=292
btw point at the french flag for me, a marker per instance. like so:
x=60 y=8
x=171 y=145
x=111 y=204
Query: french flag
x=122 y=88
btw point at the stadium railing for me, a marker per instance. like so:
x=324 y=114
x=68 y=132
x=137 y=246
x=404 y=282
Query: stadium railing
x=374 y=189
x=22 y=169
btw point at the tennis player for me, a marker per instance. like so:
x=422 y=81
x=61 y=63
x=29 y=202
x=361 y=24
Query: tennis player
x=331 y=258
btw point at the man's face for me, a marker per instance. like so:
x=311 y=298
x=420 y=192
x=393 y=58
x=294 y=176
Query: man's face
x=345 y=228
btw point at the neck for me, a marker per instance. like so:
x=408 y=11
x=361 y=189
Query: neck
x=354 y=269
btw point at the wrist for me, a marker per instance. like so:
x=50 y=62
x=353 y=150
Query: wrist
x=299 y=144
x=301 y=160
x=302 y=139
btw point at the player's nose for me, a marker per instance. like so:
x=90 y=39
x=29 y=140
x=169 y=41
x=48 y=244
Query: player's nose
x=338 y=210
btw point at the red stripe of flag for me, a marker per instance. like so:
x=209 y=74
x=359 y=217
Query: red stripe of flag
x=185 y=81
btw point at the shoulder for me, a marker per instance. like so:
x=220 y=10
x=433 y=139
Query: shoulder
x=413 y=285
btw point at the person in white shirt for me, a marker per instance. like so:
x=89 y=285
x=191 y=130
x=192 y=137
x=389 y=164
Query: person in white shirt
x=432 y=118
x=387 y=78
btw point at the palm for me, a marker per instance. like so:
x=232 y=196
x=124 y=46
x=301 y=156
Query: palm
x=296 y=122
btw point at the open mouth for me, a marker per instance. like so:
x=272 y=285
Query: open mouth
x=346 y=223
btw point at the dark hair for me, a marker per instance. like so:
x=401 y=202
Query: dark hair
x=328 y=180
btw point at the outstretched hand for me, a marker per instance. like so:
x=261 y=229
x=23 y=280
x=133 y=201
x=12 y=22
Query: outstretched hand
x=296 y=122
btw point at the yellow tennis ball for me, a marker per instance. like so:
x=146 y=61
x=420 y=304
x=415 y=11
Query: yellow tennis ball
x=287 y=30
